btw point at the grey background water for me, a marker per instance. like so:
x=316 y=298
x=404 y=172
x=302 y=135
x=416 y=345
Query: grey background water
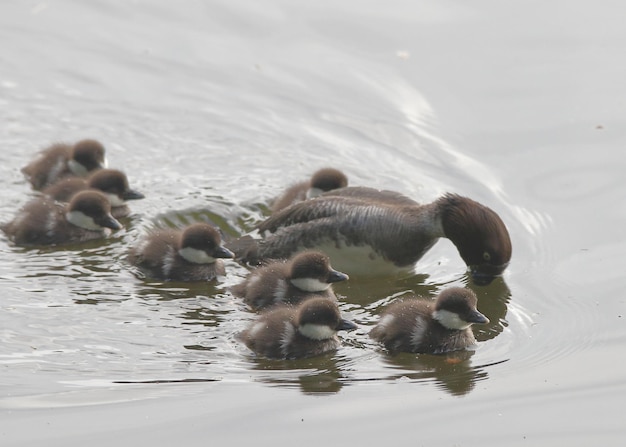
x=212 y=108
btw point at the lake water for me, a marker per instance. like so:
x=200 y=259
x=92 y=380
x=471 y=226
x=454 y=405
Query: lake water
x=211 y=108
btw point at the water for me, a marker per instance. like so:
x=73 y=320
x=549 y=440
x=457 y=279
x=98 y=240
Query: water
x=212 y=108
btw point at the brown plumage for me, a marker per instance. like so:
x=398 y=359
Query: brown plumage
x=321 y=181
x=112 y=182
x=418 y=325
x=305 y=275
x=287 y=332
x=43 y=221
x=63 y=160
x=191 y=254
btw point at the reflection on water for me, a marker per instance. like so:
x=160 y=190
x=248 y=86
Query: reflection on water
x=214 y=108
x=453 y=372
x=492 y=301
x=321 y=374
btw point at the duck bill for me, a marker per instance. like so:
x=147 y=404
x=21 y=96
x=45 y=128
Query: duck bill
x=484 y=274
x=223 y=252
x=335 y=276
x=478 y=318
x=131 y=194
x=346 y=325
x=109 y=221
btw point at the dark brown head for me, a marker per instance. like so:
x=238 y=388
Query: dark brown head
x=201 y=243
x=311 y=271
x=327 y=179
x=89 y=154
x=91 y=210
x=319 y=319
x=455 y=309
x=113 y=182
x=479 y=234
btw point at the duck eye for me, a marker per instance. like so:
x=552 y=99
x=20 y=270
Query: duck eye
x=486 y=256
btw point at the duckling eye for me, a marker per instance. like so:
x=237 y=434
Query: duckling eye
x=487 y=256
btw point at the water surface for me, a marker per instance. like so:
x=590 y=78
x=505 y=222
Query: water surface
x=213 y=108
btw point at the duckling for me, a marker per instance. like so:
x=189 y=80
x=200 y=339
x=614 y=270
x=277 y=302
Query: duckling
x=192 y=254
x=44 y=221
x=416 y=325
x=287 y=332
x=62 y=160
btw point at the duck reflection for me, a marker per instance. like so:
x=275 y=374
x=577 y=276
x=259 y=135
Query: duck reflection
x=452 y=372
x=313 y=376
x=493 y=300
x=364 y=291
x=170 y=291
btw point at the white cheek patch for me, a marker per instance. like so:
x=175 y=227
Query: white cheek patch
x=310 y=284
x=80 y=219
x=196 y=256
x=115 y=199
x=77 y=168
x=450 y=320
x=313 y=192
x=316 y=331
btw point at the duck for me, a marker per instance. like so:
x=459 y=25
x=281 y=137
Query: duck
x=193 y=253
x=365 y=231
x=291 y=332
x=62 y=160
x=43 y=221
x=307 y=274
x=417 y=325
x=322 y=180
x=111 y=182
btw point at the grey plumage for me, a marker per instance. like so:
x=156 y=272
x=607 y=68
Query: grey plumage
x=393 y=227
